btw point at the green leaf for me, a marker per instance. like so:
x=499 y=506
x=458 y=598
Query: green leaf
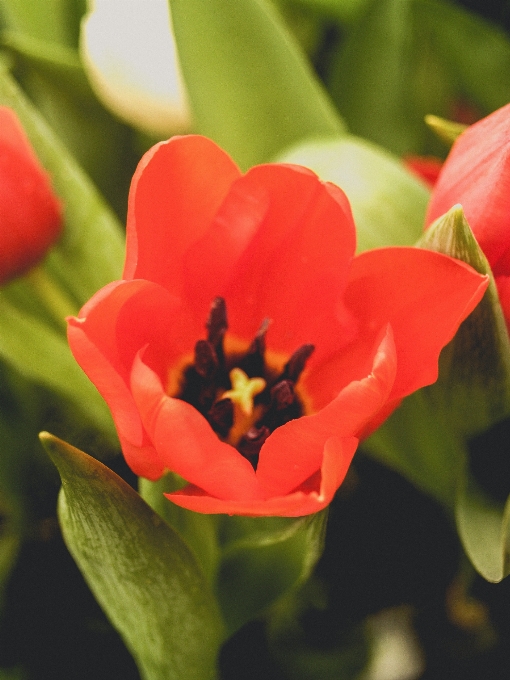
x=387 y=77
x=88 y=255
x=446 y=130
x=477 y=52
x=419 y=442
x=484 y=528
x=409 y=58
x=344 y=10
x=43 y=356
x=250 y=88
x=143 y=575
x=474 y=372
x=388 y=203
x=55 y=80
x=197 y=530
x=52 y=20
x=90 y=252
x=264 y=559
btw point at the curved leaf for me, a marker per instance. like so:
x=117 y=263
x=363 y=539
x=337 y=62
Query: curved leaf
x=142 y=574
x=388 y=203
x=250 y=88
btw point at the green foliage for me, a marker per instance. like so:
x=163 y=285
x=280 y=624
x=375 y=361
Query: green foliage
x=426 y=438
x=250 y=562
x=405 y=59
x=250 y=88
x=144 y=576
x=388 y=203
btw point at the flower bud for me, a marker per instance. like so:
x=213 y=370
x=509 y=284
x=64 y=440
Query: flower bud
x=30 y=213
x=129 y=56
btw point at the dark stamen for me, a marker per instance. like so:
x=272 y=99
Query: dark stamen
x=206 y=361
x=253 y=363
x=221 y=416
x=295 y=365
x=250 y=444
x=217 y=323
x=282 y=394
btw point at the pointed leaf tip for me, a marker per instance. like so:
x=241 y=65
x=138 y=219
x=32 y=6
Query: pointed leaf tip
x=141 y=572
x=475 y=367
x=446 y=130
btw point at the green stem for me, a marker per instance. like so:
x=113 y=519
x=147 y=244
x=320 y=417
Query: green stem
x=55 y=300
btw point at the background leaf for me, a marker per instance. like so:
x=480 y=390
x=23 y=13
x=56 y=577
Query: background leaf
x=143 y=575
x=408 y=58
x=484 y=529
x=388 y=203
x=250 y=88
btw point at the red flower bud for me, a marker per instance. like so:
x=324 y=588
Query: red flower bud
x=476 y=174
x=30 y=213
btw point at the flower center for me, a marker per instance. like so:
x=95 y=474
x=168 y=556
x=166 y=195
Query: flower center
x=243 y=398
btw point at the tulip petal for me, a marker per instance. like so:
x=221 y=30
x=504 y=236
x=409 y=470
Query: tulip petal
x=296 y=266
x=476 y=174
x=424 y=295
x=186 y=443
x=293 y=452
x=176 y=191
x=30 y=212
x=314 y=495
x=104 y=339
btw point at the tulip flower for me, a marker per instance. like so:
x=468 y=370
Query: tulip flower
x=30 y=213
x=427 y=168
x=129 y=55
x=476 y=174
x=246 y=348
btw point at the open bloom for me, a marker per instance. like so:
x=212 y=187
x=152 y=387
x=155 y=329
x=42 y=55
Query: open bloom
x=246 y=348
x=30 y=213
x=476 y=174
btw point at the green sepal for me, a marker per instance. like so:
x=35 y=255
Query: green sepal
x=484 y=529
x=143 y=575
x=251 y=562
x=387 y=201
x=446 y=130
x=264 y=559
x=199 y=531
x=250 y=87
x=475 y=366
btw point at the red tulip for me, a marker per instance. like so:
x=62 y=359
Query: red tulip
x=328 y=343
x=476 y=174
x=427 y=168
x=30 y=213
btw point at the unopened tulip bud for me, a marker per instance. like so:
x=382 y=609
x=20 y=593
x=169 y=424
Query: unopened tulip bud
x=30 y=213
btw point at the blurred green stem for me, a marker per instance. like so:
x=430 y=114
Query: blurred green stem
x=55 y=300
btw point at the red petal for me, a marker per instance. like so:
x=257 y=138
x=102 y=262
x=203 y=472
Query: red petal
x=186 y=443
x=31 y=213
x=293 y=452
x=113 y=325
x=175 y=193
x=426 y=168
x=338 y=454
x=280 y=247
x=423 y=295
x=476 y=174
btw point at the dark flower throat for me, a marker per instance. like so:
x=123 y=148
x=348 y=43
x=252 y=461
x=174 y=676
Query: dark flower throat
x=209 y=376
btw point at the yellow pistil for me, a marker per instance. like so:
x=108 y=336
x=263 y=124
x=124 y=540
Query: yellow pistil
x=243 y=391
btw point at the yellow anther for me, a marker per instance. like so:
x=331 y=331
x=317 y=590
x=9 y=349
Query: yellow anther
x=244 y=390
